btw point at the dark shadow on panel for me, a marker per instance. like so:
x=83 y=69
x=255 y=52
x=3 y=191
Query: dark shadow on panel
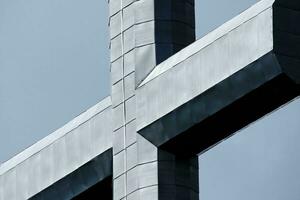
x=230 y=105
x=93 y=178
x=234 y=117
x=102 y=190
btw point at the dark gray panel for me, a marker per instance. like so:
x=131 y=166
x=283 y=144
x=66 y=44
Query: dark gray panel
x=286 y=16
x=177 y=177
x=80 y=180
x=170 y=29
x=168 y=129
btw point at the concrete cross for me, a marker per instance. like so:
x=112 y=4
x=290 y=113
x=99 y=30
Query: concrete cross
x=171 y=98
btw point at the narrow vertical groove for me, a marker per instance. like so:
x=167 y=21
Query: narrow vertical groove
x=123 y=99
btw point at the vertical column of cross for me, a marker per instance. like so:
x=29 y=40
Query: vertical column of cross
x=143 y=33
x=122 y=48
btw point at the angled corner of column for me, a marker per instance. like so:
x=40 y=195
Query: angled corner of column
x=143 y=34
x=162 y=29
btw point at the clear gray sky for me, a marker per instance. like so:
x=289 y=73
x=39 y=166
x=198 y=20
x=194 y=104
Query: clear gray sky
x=54 y=65
x=260 y=162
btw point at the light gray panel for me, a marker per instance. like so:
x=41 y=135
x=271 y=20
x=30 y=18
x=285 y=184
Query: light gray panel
x=1 y=188
x=132 y=180
x=118 y=116
x=144 y=11
x=147 y=152
x=114 y=6
x=73 y=150
x=134 y=196
x=148 y=174
x=127 y=2
x=131 y=156
x=129 y=39
x=10 y=186
x=119 y=141
x=60 y=159
x=115 y=48
x=45 y=170
x=149 y=193
x=33 y=172
x=22 y=181
x=129 y=62
x=119 y=164
x=102 y=135
x=119 y=187
x=202 y=70
x=131 y=133
x=115 y=25
x=129 y=85
x=145 y=62
x=117 y=93
x=85 y=142
x=116 y=70
x=144 y=33
x=128 y=15
x=130 y=109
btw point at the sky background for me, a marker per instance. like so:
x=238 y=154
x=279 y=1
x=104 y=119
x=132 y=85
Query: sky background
x=54 y=65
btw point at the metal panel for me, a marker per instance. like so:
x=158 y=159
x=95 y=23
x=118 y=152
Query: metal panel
x=101 y=126
x=116 y=48
x=1 y=188
x=58 y=154
x=131 y=158
x=119 y=164
x=55 y=157
x=129 y=62
x=9 y=186
x=119 y=187
x=118 y=116
x=119 y=141
x=148 y=174
x=127 y=2
x=129 y=82
x=115 y=25
x=149 y=193
x=129 y=40
x=33 y=172
x=131 y=133
x=221 y=31
x=145 y=61
x=130 y=109
x=132 y=180
x=144 y=33
x=200 y=71
x=81 y=179
x=114 y=6
x=128 y=15
x=134 y=195
x=144 y=11
x=117 y=93
x=116 y=70
x=147 y=152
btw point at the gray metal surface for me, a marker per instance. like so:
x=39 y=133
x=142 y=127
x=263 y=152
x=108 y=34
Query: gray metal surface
x=211 y=74
x=57 y=155
x=162 y=29
x=195 y=69
x=93 y=172
x=287 y=36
